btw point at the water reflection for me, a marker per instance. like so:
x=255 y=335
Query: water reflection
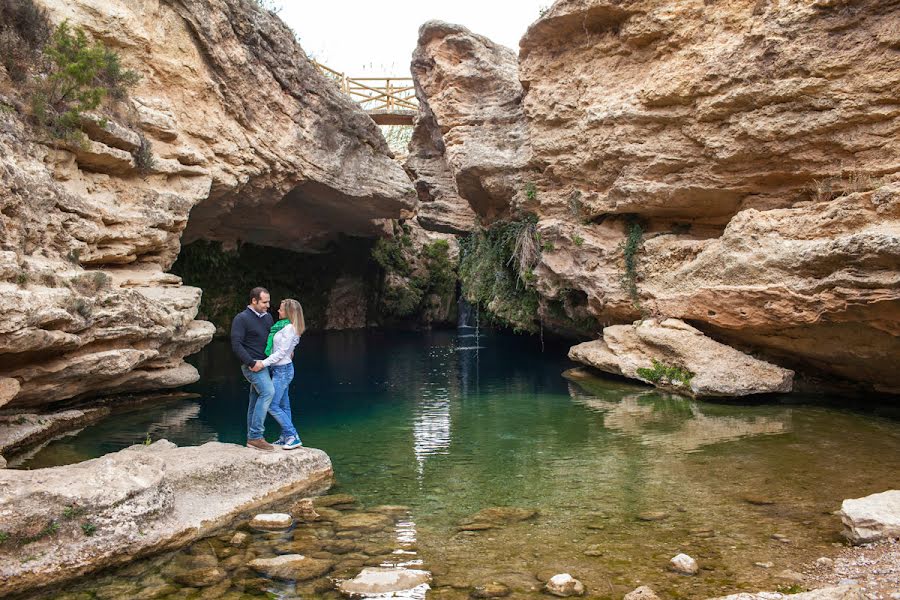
x=677 y=423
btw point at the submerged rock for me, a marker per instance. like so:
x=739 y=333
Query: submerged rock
x=501 y=515
x=368 y=522
x=139 y=500
x=871 y=518
x=304 y=510
x=296 y=567
x=684 y=564
x=564 y=585
x=383 y=580
x=673 y=355
x=271 y=521
x=490 y=590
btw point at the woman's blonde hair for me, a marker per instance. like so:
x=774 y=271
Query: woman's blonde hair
x=294 y=312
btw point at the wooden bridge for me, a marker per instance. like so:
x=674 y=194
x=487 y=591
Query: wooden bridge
x=388 y=100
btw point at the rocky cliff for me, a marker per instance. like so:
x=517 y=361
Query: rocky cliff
x=735 y=167
x=248 y=143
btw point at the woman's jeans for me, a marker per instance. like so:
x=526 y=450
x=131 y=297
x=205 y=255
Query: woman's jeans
x=261 y=393
x=282 y=375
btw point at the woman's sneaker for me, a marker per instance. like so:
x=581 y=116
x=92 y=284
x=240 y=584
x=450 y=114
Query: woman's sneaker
x=292 y=443
x=280 y=441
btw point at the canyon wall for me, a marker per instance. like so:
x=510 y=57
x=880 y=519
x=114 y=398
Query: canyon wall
x=249 y=143
x=743 y=157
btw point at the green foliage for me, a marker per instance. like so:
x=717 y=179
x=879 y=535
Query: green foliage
x=22 y=278
x=397 y=137
x=530 y=190
x=664 y=374
x=79 y=75
x=390 y=256
x=50 y=529
x=3 y=537
x=416 y=290
x=71 y=512
x=147 y=440
x=88 y=528
x=496 y=271
x=80 y=306
x=24 y=29
x=630 y=249
x=578 y=240
x=793 y=588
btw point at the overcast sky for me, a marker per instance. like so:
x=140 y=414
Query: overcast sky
x=377 y=38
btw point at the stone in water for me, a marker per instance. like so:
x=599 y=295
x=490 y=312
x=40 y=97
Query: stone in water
x=272 y=521
x=683 y=563
x=564 y=585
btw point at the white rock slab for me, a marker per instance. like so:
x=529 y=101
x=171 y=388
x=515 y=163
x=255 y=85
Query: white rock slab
x=871 y=518
x=271 y=521
x=840 y=592
x=383 y=580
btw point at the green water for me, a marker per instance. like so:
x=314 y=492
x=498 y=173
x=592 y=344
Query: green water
x=623 y=478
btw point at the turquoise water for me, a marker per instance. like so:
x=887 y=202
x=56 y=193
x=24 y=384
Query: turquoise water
x=623 y=478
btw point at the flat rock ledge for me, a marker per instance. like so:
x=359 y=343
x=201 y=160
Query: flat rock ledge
x=840 y=592
x=383 y=580
x=671 y=354
x=64 y=522
x=872 y=518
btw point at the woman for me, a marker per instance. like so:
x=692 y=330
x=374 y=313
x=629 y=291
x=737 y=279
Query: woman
x=283 y=338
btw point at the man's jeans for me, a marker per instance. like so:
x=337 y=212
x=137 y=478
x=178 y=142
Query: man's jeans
x=261 y=393
x=281 y=403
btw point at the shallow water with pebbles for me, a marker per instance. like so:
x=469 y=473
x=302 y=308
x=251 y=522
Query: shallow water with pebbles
x=609 y=480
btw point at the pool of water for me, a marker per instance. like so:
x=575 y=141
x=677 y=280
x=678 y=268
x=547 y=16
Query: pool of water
x=622 y=477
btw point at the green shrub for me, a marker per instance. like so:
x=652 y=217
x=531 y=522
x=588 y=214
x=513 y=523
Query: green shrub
x=24 y=29
x=88 y=529
x=79 y=75
x=666 y=374
x=91 y=283
x=22 y=278
x=496 y=271
x=50 y=529
x=632 y=244
x=530 y=190
x=413 y=294
x=389 y=254
x=578 y=240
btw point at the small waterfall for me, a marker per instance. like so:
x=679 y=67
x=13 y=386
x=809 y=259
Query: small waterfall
x=467 y=316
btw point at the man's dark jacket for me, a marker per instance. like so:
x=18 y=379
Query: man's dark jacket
x=249 y=334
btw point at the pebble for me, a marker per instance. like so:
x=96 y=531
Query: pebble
x=764 y=565
x=239 y=539
x=824 y=561
x=781 y=538
x=490 y=590
x=641 y=593
x=564 y=585
x=653 y=516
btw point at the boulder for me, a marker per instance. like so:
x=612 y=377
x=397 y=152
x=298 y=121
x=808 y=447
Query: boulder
x=673 y=355
x=294 y=567
x=684 y=564
x=564 y=585
x=383 y=580
x=144 y=499
x=871 y=518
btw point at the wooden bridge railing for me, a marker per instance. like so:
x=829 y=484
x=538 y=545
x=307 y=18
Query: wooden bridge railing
x=388 y=100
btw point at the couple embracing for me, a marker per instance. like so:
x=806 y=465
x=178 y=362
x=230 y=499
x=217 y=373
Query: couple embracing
x=266 y=351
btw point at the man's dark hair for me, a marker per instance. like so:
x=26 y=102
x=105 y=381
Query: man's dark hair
x=256 y=292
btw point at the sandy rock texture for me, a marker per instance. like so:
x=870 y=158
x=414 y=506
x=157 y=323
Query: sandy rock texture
x=839 y=592
x=754 y=144
x=469 y=143
x=705 y=367
x=249 y=144
x=110 y=510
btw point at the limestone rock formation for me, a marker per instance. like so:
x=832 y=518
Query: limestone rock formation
x=468 y=146
x=839 y=592
x=754 y=167
x=248 y=143
x=673 y=355
x=383 y=580
x=137 y=501
x=872 y=518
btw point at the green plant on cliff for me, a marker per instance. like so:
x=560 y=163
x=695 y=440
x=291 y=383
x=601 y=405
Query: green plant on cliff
x=630 y=248
x=413 y=290
x=76 y=77
x=24 y=29
x=143 y=155
x=661 y=373
x=496 y=270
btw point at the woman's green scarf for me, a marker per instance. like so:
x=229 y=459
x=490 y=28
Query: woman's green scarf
x=275 y=329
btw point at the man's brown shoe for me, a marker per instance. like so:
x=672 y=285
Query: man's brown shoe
x=260 y=444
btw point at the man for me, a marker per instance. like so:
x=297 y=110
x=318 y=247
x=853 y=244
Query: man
x=249 y=334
